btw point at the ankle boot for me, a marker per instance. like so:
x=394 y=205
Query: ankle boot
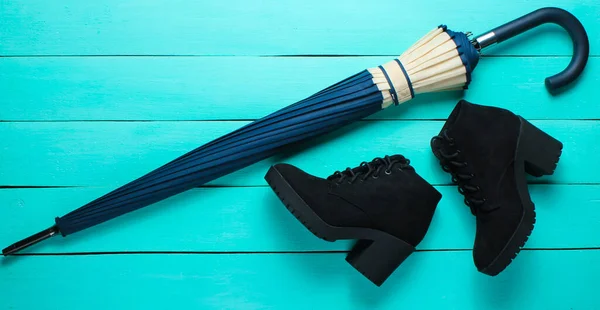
x=487 y=151
x=384 y=204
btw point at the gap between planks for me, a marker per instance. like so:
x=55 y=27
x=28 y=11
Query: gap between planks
x=254 y=119
x=266 y=252
x=8 y=187
x=269 y=56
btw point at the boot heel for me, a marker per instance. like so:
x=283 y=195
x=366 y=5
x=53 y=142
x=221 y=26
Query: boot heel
x=377 y=259
x=539 y=150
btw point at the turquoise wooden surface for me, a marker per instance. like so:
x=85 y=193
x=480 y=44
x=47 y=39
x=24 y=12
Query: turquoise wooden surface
x=70 y=153
x=267 y=27
x=95 y=93
x=427 y=280
x=252 y=219
x=140 y=88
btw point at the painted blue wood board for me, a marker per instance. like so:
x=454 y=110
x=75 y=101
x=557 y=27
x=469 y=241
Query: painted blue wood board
x=252 y=219
x=427 y=280
x=217 y=88
x=113 y=153
x=95 y=93
x=269 y=27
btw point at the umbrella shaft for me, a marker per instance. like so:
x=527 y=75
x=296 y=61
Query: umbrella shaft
x=485 y=40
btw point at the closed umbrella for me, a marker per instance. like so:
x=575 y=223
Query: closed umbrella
x=441 y=61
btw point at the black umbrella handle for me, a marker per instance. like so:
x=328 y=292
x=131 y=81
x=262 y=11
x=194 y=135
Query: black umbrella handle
x=581 y=44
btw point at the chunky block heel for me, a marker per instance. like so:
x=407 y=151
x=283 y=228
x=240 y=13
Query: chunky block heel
x=378 y=252
x=538 y=150
x=377 y=259
x=489 y=152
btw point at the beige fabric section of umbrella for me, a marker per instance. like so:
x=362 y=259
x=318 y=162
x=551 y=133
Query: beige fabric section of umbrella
x=432 y=64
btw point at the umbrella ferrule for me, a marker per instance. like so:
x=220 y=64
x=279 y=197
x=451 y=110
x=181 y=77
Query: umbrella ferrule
x=29 y=241
x=485 y=40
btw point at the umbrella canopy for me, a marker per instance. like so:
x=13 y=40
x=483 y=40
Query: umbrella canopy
x=442 y=60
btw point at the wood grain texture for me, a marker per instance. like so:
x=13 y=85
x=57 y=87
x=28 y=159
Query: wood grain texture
x=113 y=153
x=438 y=280
x=254 y=220
x=269 y=27
x=96 y=93
x=217 y=88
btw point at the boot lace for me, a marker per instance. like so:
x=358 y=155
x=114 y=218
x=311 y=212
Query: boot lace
x=449 y=156
x=372 y=168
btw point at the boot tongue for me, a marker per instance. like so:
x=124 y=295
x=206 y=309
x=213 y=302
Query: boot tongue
x=386 y=161
x=398 y=158
x=453 y=117
x=363 y=168
x=465 y=126
x=459 y=119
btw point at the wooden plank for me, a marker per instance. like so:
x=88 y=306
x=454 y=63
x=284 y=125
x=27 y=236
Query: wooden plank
x=270 y=27
x=113 y=153
x=211 y=88
x=535 y=280
x=254 y=220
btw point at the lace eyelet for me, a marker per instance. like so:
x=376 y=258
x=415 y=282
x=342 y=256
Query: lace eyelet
x=388 y=172
x=375 y=177
x=478 y=188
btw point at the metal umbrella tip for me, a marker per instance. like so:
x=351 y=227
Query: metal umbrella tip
x=29 y=241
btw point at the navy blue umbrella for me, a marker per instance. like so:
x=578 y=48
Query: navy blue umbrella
x=442 y=60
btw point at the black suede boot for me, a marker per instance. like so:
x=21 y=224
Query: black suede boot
x=488 y=151
x=384 y=203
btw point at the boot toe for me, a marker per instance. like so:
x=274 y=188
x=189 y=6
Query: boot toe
x=316 y=193
x=304 y=184
x=485 y=252
x=494 y=234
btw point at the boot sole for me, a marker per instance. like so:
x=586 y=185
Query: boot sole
x=537 y=154
x=376 y=254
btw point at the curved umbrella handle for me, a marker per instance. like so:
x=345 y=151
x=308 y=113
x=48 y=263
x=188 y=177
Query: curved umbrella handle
x=581 y=44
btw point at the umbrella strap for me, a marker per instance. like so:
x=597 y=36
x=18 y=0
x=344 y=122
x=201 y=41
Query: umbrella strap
x=392 y=89
x=412 y=92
